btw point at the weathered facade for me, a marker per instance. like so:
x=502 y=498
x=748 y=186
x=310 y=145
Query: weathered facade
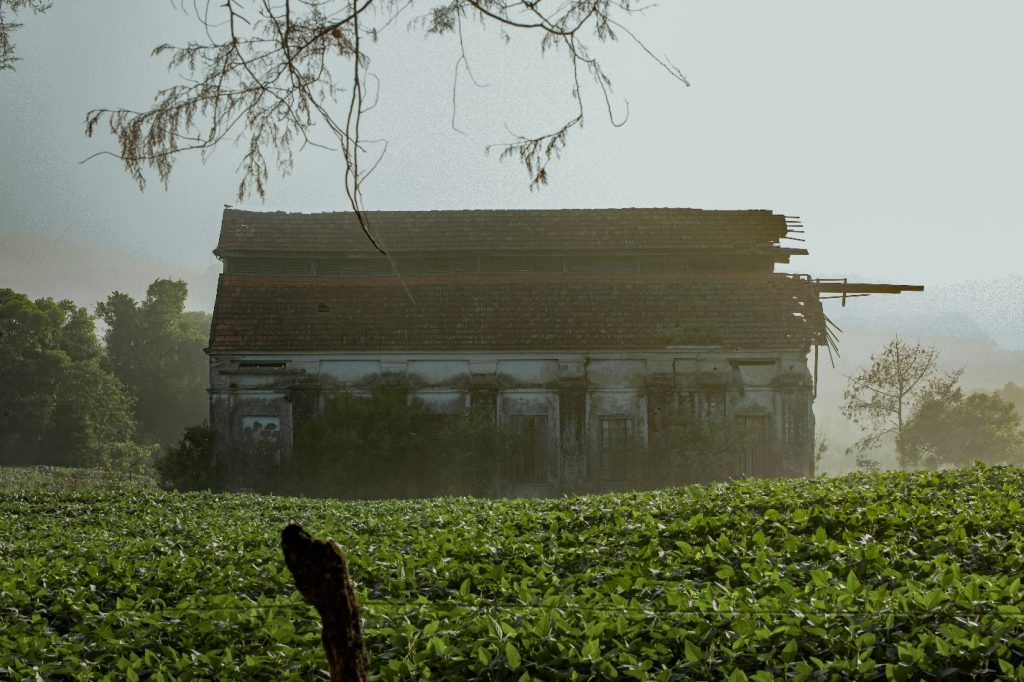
x=582 y=328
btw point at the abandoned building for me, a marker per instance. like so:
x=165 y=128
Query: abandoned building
x=582 y=328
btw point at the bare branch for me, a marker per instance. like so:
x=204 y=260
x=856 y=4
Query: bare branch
x=664 y=62
x=8 y=9
x=263 y=80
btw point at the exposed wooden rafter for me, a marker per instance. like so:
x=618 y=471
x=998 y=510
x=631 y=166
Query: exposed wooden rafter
x=846 y=289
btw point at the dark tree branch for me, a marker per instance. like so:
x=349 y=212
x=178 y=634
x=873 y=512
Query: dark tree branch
x=263 y=80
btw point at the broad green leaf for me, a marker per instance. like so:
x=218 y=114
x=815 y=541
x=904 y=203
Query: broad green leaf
x=512 y=655
x=853 y=585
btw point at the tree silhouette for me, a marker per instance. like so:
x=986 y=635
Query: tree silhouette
x=957 y=428
x=882 y=397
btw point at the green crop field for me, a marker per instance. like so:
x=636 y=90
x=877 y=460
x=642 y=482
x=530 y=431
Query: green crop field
x=897 y=576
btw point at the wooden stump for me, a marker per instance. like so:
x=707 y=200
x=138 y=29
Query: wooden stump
x=321 y=575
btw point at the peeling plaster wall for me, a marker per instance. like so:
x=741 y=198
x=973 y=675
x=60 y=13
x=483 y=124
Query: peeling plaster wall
x=440 y=401
x=349 y=373
x=754 y=388
x=438 y=373
x=616 y=373
x=525 y=373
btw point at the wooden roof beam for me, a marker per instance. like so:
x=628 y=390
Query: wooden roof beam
x=825 y=286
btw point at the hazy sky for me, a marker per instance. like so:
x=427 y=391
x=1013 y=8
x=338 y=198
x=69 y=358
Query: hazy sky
x=892 y=128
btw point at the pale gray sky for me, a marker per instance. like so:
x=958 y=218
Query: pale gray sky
x=892 y=129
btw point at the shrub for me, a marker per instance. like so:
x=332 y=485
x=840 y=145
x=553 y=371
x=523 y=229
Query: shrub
x=693 y=450
x=127 y=459
x=469 y=452
x=360 y=447
x=386 y=445
x=191 y=464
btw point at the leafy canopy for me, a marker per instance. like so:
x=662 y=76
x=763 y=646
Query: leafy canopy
x=156 y=349
x=1015 y=394
x=955 y=428
x=57 y=404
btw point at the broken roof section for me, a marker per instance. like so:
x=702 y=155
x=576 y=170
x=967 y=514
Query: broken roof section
x=633 y=230
x=518 y=280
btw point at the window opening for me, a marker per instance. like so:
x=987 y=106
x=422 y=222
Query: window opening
x=531 y=432
x=755 y=445
x=616 y=438
x=713 y=403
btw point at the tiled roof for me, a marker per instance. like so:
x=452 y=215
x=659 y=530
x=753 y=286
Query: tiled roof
x=547 y=230
x=542 y=312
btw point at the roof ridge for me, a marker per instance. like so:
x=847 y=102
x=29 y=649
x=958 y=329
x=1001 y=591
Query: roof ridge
x=399 y=280
x=509 y=210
